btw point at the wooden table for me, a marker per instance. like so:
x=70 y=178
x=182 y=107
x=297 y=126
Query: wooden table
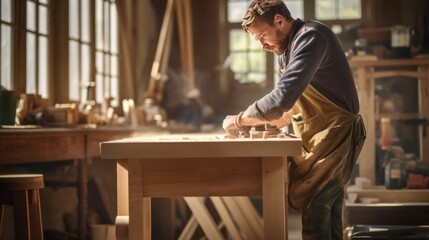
x=201 y=165
x=22 y=145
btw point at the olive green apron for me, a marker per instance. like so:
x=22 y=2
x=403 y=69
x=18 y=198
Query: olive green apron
x=332 y=139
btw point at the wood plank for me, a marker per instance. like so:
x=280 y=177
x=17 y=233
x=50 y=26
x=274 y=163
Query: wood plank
x=189 y=229
x=95 y=137
x=32 y=147
x=155 y=76
x=395 y=73
x=226 y=217
x=204 y=218
x=389 y=63
x=366 y=93
x=251 y=215
x=194 y=146
x=198 y=177
x=242 y=223
x=391 y=195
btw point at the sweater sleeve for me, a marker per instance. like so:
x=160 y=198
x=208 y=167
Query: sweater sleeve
x=306 y=55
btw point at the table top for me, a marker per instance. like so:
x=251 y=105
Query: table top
x=198 y=145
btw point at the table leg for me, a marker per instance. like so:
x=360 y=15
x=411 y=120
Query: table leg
x=139 y=205
x=82 y=192
x=122 y=187
x=274 y=193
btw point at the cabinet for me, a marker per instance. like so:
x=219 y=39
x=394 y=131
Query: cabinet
x=369 y=75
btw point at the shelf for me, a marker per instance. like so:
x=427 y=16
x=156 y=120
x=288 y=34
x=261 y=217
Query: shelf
x=398 y=116
x=392 y=195
x=366 y=75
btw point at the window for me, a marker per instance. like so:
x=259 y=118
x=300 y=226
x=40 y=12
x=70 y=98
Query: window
x=6 y=36
x=93 y=82
x=251 y=64
x=31 y=42
x=37 y=30
x=106 y=51
x=338 y=9
x=80 y=83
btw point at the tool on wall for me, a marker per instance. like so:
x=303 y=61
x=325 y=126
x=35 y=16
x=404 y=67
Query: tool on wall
x=162 y=54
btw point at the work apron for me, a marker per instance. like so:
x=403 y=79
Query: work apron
x=331 y=138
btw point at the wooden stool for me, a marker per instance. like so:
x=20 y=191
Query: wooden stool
x=22 y=192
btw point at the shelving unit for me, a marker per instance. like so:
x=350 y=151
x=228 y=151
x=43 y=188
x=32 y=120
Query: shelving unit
x=366 y=73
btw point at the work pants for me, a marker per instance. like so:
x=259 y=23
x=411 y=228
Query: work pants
x=322 y=218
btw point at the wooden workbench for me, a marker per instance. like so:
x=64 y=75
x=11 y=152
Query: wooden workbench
x=30 y=145
x=201 y=165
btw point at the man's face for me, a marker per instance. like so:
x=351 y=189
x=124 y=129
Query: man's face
x=271 y=37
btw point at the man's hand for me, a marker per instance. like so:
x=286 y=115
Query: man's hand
x=229 y=125
x=285 y=120
x=232 y=123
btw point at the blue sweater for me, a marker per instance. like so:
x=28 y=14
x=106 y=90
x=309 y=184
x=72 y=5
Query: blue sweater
x=314 y=57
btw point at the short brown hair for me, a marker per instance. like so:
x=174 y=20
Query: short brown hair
x=265 y=10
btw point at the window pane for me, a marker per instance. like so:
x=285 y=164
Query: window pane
x=99 y=64
x=99 y=90
x=6 y=10
x=85 y=20
x=43 y=66
x=43 y=1
x=325 y=9
x=31 y=63
x=31 y=16
x=73 y=19
x=241 y=41
x=350 y=9
x=114 y=65
x=338 y=9
x=6 y=57
x=237 y=40
x=99 y=24
x=113 y=28
x=236 y=10
x=114 y=93
x=239 y=63
x=296 y=8
x=256 y=77
x=106 y=64
x=74 y=71
x=86 y=64
x=106 y=26
x=43 y=20
x=257 y=61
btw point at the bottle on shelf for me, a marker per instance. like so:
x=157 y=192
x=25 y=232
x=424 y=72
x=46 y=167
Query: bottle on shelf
x=395 y=174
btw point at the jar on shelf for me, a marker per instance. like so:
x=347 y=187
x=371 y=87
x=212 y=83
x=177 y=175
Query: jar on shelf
x=400 y=42
x=395 y=174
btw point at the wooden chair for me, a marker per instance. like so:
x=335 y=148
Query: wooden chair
x=22 y=192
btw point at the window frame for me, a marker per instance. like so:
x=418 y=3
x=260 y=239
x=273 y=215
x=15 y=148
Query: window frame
x=37 y=34
x=309 y=13
x=12 y=25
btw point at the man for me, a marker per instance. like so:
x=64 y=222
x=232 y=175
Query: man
x=316 y=92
